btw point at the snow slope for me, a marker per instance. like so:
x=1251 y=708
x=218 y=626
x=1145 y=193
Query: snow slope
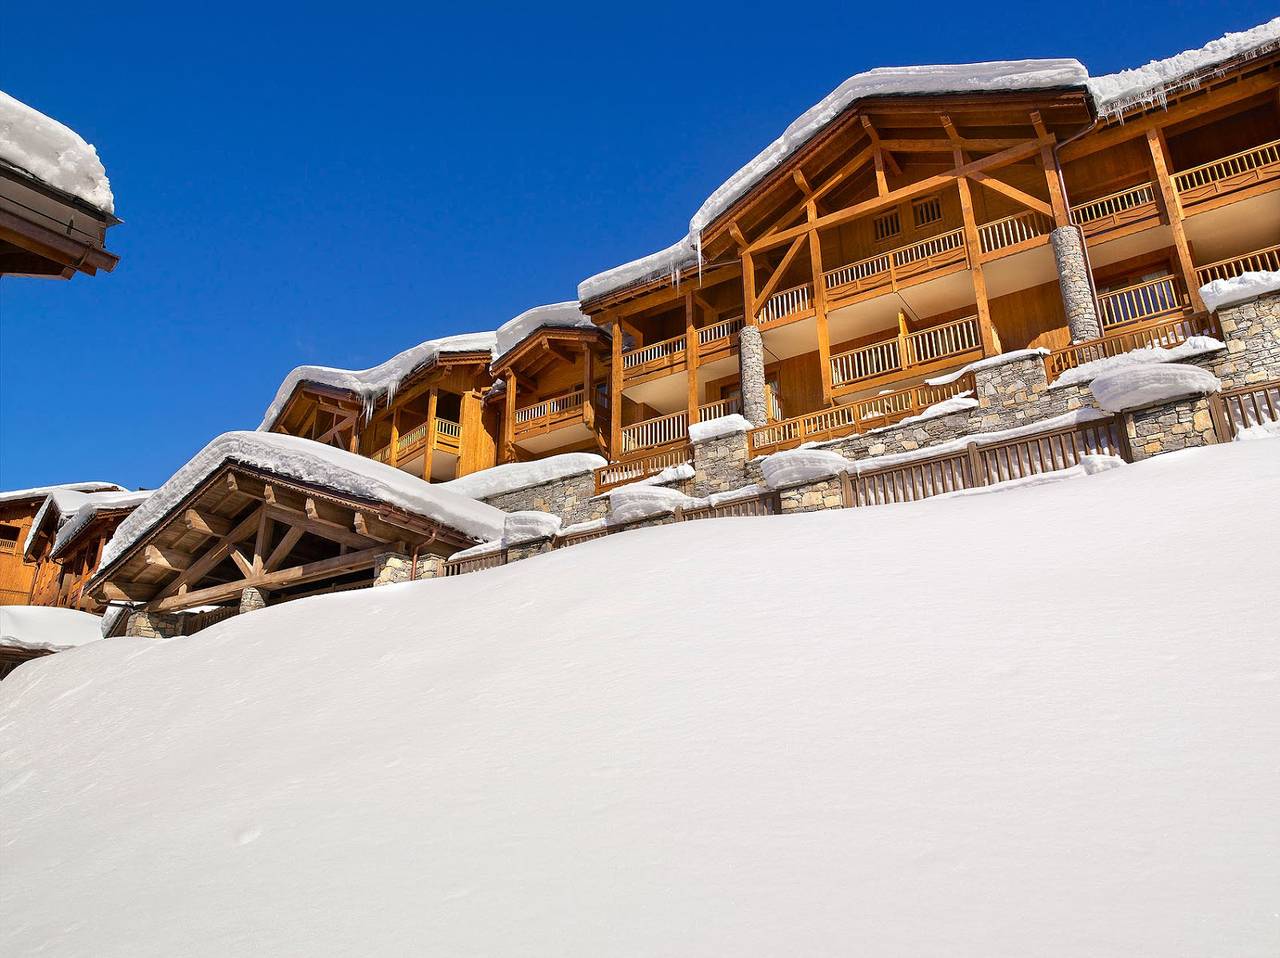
x=946 y=728
x=41 y=627
x=52 y=153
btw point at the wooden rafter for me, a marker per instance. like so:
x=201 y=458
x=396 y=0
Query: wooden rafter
x=1013 y=193
x=771 y=285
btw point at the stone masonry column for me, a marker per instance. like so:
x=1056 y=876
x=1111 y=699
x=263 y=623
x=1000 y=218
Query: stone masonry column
x=392 y=567
x=751 y=371
x=251 y=600
x=1073 y=280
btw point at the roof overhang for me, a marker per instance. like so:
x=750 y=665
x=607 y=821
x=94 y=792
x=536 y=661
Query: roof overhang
x=46 y=232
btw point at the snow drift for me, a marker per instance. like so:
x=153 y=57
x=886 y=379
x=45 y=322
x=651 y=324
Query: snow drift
x=46 y=629
x=1020 y=723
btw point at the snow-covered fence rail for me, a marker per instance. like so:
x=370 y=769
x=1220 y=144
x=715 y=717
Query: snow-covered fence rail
x=641 y=467
x=1166 y=334
x=1235 y=409
x=1116 y=209
x=888 y=408
x=982 y=465
x=1155 y=297
x=1012 y=230
x=1229 y=173
x=1259 y=261
x=488 y=560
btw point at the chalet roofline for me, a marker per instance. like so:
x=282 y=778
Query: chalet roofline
x=505 y=361
x=437 y=531
x=99 y=516
x=61 y=195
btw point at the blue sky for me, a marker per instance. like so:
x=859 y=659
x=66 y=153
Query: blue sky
x=334 y=185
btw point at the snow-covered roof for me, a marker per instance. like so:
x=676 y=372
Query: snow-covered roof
x=71 y=525
x=1150 y=85
x=60 y=504
x=377 y=381
x=512 y=476
x=555 y=315
x=46 y=629
x=52 y=153
x=993 y=77
x=1228 y=292
x=303 y=460
x=38 y=492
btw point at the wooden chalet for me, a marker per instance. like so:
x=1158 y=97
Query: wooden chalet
x=435 y=425
x=18 y=511
x=264 y=529
x=911 y=236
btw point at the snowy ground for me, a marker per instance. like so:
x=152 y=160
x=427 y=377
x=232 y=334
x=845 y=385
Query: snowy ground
x=1038 y=722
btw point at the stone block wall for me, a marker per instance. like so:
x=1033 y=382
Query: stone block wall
x=720 y=465
x=154 y=625
x=1252 y=334
x=813 y=496
x=1169 y=427
x=572 y=499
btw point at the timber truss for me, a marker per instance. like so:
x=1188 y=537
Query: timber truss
x=245 y=528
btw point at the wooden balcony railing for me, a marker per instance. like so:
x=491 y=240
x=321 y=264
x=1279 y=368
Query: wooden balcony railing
x=448 y=439
x=893 y=355
x=1155 y=297
x=672 y=427
x=1243 y=407
x=715 y=410
x=882 y=410
x=1259 y=261
x=644 y=355
x=487 y=560
x=1229 y=173
x=1166 y=334
x=550 y=407
x=1116 y=209
x=785 y=302
x=1012 y=230
x=635 y=468
x=713 y=336
x=936 y=252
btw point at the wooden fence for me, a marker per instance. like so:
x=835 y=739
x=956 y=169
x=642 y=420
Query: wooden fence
x=1166 y=334
x=982 y=465
x=1235 y=409
x=490 y=560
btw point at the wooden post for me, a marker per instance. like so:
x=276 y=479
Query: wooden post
x=509 y=419
x=990 y=341
x=820 y=306
x=1057 y=199
x=433 y=402
x=1173 y=210
x=903 y=340
x=748 y=289
x=691 y=357
x=615 y=392
x=393 y=451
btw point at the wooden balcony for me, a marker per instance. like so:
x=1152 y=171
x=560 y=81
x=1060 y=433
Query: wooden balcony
x=670 y=355
x=1010 y=234
x=1116 y=210
x=1259 y=261
x=1148 y=300
x=945 y=252
x=448 y=439
x=1230 y=174
x=641 y=466
x=948 y=344
x=672 y=428
x=1164 y=333
x=884 y=409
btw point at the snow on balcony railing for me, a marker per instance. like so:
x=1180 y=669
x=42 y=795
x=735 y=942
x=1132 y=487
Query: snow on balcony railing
x=646 y=354
x=721 y=330
x=1140 y=301
x=1012 y=230
x=1115 y=209
x=640 y=467
x=1229 y=173
x=655 y=432
x=1166 y=335
x=1260 y=261
x=550 y=407
x=785 y=302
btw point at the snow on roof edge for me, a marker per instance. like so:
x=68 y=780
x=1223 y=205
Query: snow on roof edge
x=565 y=315
x=16 y=495
x=53 y=154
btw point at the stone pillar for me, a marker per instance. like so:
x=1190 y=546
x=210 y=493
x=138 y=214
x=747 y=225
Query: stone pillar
x=153 y=625
x=1073 y=280
x=751 y=371
x=430 y=567
x=392 y=567
x=720 y=464
x=251 y=600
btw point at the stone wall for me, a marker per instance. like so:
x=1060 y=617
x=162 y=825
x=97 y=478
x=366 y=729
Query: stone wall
x=1252 y=334
x=1169 y=427
x=813 y=496
x=571 y=498
x=720 y=465
x=154 y=625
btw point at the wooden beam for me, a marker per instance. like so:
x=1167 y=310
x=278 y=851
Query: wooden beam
x=206 y=523
x=217 y=553
x=927 y=185
x=393 y=450
x=990 y=343
x=1057 y=198
x=428 y=454
x=973 y=144
x=1173 y=211
x=283 y=548
x=771 y=286
x=1015 y=194
x=509 y=418
x=132 y=592
x=749 y=300
x=296 y=575
x=260 y=541
x=243 y=564
x=820 y=313
x=691 y=358
x=168 y=559
x=615 y=391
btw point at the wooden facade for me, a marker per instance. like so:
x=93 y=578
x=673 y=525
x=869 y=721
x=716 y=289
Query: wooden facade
x=17 y=573
x=48 y=233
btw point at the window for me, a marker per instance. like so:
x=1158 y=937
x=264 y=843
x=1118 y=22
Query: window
x=8 y=540
x=927 y=210
x=887 y=225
